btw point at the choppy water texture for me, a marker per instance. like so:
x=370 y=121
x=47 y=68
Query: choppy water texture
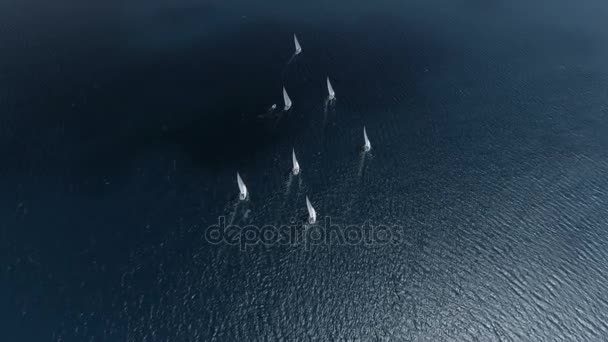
x=122 y=126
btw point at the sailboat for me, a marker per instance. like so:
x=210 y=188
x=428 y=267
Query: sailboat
x=242 y=187
x=286 y=99
x=297 y=44
x=330 y=90
x=367 y=146
x=312 y=214
x=296 y=166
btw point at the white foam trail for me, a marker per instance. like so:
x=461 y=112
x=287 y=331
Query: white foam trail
x=232 y=216
x=288 y=185
x=284 y=72
x=327 y=105
x=361 y=164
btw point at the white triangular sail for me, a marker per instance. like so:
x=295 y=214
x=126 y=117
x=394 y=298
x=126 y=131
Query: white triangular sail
x=297 y=44
x=312 y=214
x=367 y=146
x=286 y=99
x=330 y=90
x=242 y=187
x=296 y=165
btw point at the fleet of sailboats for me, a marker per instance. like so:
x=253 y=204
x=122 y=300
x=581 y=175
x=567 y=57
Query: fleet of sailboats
x=295 y=170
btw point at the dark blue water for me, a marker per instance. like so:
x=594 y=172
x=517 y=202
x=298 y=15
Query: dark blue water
x=123 y=124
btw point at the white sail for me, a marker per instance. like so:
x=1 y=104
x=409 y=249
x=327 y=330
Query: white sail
x=296 y=165
x=312 y=214
x=297 y=44
x=330 y=90
x=286 y=99
x=242 y=187
x=367 y=146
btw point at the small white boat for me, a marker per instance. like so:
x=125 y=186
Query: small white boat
x=242 y=187
x=367 y=145
x=296 y=166
x=287 y=100
x=312 y=214
x=330 y=90
x=297 y=44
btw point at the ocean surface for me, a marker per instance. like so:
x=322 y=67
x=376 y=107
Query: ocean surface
x=123 y=125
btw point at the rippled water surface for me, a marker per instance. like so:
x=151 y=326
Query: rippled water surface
x=123 y=124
